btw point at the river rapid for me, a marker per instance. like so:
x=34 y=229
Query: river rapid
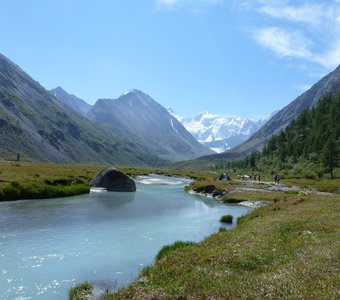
x=48 y=246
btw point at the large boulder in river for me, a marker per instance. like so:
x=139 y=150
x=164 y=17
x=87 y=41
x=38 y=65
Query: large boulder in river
x=113 y=180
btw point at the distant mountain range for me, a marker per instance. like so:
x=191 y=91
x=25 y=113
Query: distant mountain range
x=51 y=126
x=220 y=133
x=131 y=130
x=38 y=126
x=330 y=84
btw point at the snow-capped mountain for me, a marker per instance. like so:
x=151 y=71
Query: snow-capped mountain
x=220 y=133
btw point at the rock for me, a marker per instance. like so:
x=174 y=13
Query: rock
x=113 y=180
x=224 y=177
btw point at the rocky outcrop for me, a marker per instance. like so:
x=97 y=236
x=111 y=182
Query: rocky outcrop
x=113 y=180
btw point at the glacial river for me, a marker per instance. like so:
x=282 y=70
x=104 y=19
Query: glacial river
x=48 y=246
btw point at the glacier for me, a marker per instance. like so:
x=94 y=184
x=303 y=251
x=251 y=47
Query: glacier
x=220 y=132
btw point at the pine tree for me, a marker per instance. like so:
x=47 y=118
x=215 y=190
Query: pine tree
x=330 y=155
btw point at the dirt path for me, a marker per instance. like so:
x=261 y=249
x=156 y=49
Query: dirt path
x=267 y=186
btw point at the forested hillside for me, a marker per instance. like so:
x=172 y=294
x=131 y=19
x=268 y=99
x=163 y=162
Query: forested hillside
x=309 y=147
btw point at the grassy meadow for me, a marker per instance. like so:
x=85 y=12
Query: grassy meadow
x=35 y=180
x=288 y=249
x=28 y=180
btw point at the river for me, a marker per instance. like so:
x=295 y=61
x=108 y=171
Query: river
x=48 y=246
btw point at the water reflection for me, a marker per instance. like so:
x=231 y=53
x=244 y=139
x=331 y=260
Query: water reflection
x=112 y=200
x=46 y=246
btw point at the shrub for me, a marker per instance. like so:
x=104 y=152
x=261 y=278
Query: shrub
x=10 y=193
x=145 y=271
x=228 y=199
x=81 y=291
x=227 y=219
x=222 y=229
x=169 y=248
x=15 y=184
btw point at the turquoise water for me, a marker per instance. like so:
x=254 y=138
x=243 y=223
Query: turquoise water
x=48 y=246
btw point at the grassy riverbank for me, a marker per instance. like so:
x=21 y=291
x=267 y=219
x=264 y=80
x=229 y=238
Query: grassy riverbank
x=286 y=250
x=33 y=180
x=29 y=180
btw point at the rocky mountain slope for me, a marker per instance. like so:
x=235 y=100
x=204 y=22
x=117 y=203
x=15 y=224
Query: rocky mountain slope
x=137 y=115
x=330 y=84
x=77 y=104
x=36 y=125
x=220 y=133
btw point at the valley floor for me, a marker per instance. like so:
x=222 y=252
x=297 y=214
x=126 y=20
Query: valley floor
x=288 y=249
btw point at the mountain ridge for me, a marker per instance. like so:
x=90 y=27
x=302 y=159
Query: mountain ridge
x=328 y=84
x=136 y=114
x=78 y=105
x=39 y=127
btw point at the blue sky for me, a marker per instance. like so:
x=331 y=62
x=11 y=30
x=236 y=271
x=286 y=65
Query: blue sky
x=231 y=57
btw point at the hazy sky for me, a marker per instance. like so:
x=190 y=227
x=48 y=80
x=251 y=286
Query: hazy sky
x=230 y=57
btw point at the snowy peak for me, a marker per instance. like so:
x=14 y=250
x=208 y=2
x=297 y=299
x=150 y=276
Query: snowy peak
x=220 y=133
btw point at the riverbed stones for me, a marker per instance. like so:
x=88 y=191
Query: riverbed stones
x=113 y=180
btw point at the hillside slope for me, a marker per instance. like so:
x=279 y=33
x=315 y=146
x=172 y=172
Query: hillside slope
x=137 y=115
x=39 y=127
x=309 y=147
x=329 y=84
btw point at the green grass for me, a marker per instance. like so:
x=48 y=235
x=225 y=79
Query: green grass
x=286 y=250
x=81 y=291
x=27 y=180
x=322 y=185
x=33 y=180
x=166 y=250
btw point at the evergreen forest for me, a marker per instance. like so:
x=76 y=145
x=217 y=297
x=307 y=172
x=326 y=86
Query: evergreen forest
x=308 y=148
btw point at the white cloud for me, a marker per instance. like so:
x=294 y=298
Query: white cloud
x=191 y=4
x=309 y=13
x=293 y=23
x=283 y=42
x=331 y=58
x=167 y=2
x=321 y=17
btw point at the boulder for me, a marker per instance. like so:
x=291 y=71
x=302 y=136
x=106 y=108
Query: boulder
x=113 y=180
